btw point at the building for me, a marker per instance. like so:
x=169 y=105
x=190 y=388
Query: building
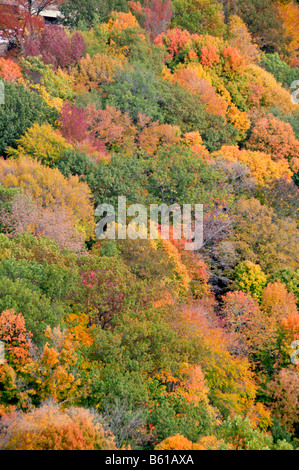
x=50 y=13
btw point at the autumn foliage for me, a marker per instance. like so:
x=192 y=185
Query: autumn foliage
x=16 y=338
x=66 y=194
x=50 y=428
x=9 y=70
x=55 y=46
x=128 y=341
x=275 y=137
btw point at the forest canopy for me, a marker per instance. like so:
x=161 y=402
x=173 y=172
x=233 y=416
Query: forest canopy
x=141 y=344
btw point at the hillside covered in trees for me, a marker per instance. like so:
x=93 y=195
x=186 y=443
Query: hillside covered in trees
x=141 y=344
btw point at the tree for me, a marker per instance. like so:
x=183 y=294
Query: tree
x=175 y=40
x=231 y=384
x=261 y=165
x=128 y=426
x=55 y=46
x=21 y=16
x=54 y=280
x=263 y=84
x=234 y=61
x=283 y=389
x=40 y=142
x=27 y=216
x=37 y=309
x=264 y=23
x=177 y=442
x=136 y=91
x=289 y=13
x=290 y=330
x=281 y=70
x=199 y=16
x=51 y=428
x=154 y=135
x=212 y=443
x=20 y=111
x=239 y=432
x=118 y=36
x=181 y=108
x=157 y=17
x=94 y=72
x=290 y=279
x=209 y=55
x=277 y=302
x=260 y=236
x=17 y=339
x=52 y=373
x=104 y=288
x=73 y=124
x=271 y=135
x=189 y=78
x=172 y=413
x=83 y=14
x=111 y=127
x=195 y=143
x=282 y=194
x=123 y=176
x=240 y=312
x=6 y=196
x=240 y=38
x=10 y=70
x=177 y=175
x=50 y=189
x=54 y=86
x=250 y=278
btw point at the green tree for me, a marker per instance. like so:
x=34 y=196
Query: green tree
x=177 y=175
x=21 y=110
x=250 y=278
x=136 y=91
x=83 y=14
x=242 y=436
x=36 y=308
x=173 y=414
x=282 y=72
x=199 y=16
x=123 y=176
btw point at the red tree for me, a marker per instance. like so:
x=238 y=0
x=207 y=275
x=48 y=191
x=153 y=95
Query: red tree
x=158 y=15
x=55 y=46
x=21 y=17
x=77 y=129
x=73 y=124
x=154 y=16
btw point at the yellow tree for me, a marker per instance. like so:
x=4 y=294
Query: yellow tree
x=289 y=12
x=261 y=165
x=51 y=374
x=40 y=142
x=52 y=428
x=49 y=188
x=277 y=302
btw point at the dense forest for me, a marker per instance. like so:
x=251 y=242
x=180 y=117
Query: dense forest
x=141 y=344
